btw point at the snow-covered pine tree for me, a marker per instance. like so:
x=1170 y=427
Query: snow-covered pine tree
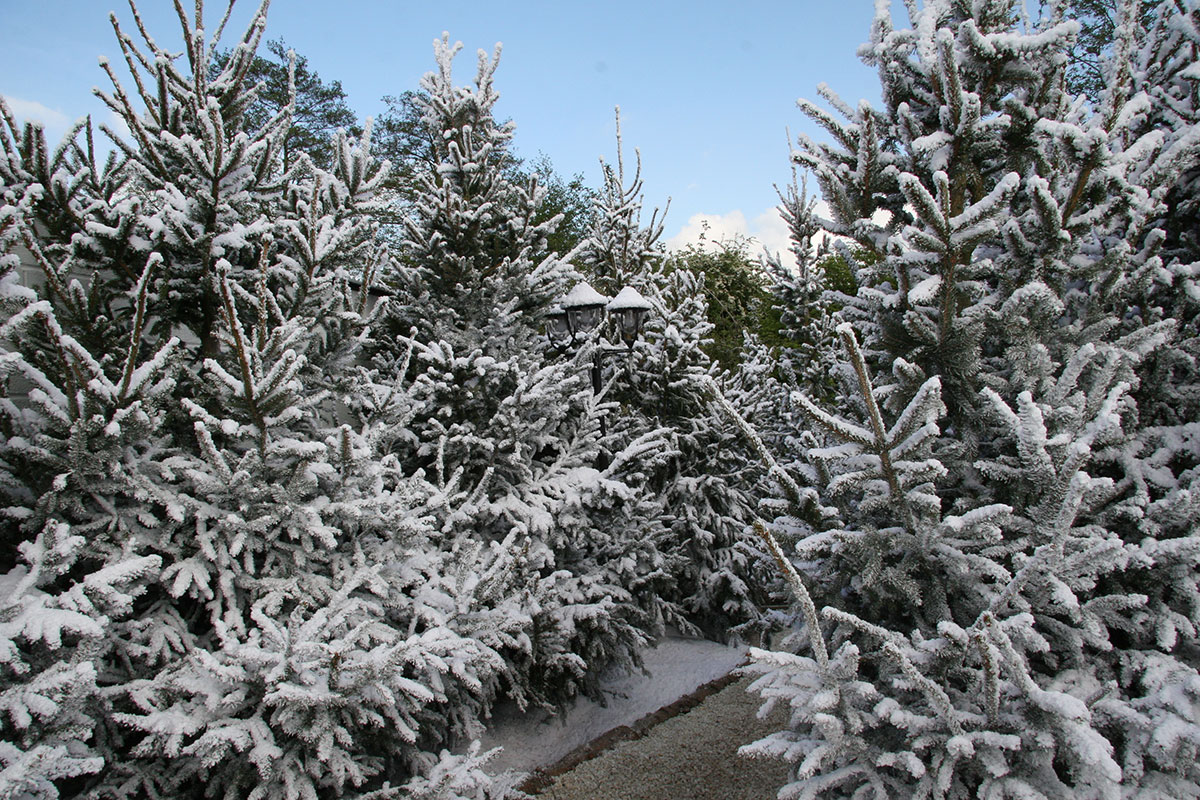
x=805 y=312
x=619 y=249
x=964 y=643
x=1006 y=616
x=701 y=482
x=81 y=418
x=502 y=420
x=1155 y=76
x=76 y=491
x=1154 y=87
x=472 y=248
x=84 y=213
x=249 y=603
x=208 y=178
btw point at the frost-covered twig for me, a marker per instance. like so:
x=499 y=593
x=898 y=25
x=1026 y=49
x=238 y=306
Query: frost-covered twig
x=812 y=621
x=799 y=494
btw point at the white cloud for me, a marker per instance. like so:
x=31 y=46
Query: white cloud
x=116 y=123
x=766 y=231
x=55 y=122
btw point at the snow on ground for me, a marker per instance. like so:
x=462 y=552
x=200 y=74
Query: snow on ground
x=677 y=666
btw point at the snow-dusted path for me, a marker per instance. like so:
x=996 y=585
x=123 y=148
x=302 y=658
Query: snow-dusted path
x=677 y=667
x=692 y=756
x=689 y=756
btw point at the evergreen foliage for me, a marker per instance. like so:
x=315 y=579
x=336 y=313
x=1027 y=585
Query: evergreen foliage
x=702 y=484
x=497 y=413
x=213 y=585
x=288 y=502
x=805 y=311
x=1004 y=612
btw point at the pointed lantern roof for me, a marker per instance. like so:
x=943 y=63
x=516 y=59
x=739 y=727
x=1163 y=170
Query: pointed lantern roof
x=629 y=299
x=583 y=296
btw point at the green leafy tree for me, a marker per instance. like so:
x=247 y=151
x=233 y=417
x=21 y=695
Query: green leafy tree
x=735 y=290
x=318 y=108
x=571 y=200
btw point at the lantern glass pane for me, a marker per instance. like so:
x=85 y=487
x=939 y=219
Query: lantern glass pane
x=557 y=328
x=584 y=319
x=628 y=323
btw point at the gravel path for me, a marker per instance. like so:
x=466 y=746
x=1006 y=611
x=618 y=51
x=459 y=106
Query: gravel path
x=692 y=756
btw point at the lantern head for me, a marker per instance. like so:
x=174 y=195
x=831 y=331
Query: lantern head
x=628 y=311
x=558 y=330
x=584 y=307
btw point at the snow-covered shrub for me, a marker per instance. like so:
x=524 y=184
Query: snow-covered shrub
x=461 y=777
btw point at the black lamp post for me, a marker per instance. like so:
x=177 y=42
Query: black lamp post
x=582 y=311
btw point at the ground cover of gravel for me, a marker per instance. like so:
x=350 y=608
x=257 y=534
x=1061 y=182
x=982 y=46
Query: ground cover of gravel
x=691 y=756
x=677 y=667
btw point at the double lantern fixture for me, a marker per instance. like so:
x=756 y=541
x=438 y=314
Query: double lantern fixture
x=582 y=311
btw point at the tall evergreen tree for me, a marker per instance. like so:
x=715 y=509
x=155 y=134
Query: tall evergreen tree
x=472 y=246
x=212 y=584
x=1004 y=614
x=701 y=484
x=805 y=311
x=503 y=417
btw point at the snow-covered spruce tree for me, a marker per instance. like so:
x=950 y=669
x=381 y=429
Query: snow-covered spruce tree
x=501 y=419
x=701 y=482
x=1156 y=77
x=81 y=415
x=967 y=646
x=75 y=491
x=619 y=249
x=327 y=663
x=1010 y=595
x=472 y=246
x=1154 y=89
x=207 y=180
x=805 y=311
x=84 y=213
x=249 y=603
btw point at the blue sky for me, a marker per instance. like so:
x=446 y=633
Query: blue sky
x=706 y=89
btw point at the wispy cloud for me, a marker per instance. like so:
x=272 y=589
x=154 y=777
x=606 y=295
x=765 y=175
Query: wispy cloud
x=53 y=121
